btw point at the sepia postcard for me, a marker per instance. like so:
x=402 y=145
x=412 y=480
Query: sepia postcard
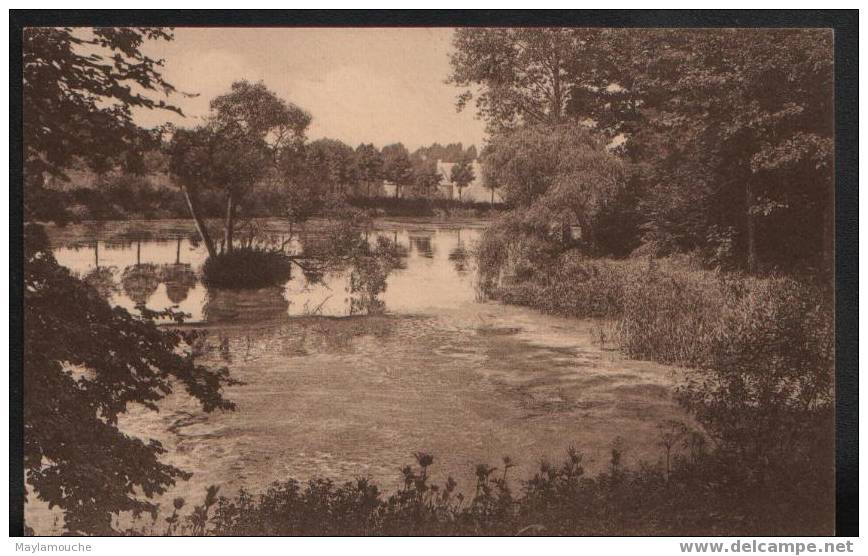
x=444 y=280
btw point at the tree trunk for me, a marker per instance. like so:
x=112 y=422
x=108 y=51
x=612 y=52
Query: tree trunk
x=492 y=197
x=397 y=189
x=200 y=224
x=751 y=229
x=229 y=226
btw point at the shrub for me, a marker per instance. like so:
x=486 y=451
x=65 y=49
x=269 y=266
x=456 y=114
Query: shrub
x=246 y=267
x=766 y=390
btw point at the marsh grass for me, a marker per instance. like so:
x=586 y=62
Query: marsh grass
x=670 y=311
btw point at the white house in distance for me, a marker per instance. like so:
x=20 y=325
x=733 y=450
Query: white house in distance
x=475 y=191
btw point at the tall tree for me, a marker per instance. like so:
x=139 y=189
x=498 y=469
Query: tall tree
x=462 y=175
x=332 y=163
x=397 y=167
x=728 y=132
x=520 y=73
x=369 y=166
x=739 y=133
x=249 y=129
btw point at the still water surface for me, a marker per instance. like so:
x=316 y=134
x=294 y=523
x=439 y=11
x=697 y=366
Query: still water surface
x=329 y=395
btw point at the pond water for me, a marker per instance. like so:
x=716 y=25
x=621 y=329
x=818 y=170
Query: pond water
x=340 y=396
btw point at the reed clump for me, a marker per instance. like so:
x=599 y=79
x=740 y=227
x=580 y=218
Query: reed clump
x=671 y=311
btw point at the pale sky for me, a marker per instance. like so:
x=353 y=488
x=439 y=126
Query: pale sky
x=371 y=85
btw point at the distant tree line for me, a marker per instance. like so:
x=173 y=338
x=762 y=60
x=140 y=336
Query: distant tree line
x=280 y=173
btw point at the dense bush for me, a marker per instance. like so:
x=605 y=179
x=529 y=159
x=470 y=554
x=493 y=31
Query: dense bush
x=246 y=267
x=576 y=287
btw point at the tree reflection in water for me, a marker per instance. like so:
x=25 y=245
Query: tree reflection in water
x=179 y=279
x=458 y=255
x=140 y=281
x=422 y=245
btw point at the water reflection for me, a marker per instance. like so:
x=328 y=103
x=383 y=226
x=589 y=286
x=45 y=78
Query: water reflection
x=458 y=255
x=421 y=244
x=179 y=279
x=346 y=397
x=258 y=305
x=161 y=269
x=140 y=281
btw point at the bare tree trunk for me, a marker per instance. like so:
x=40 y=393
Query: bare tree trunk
x=200 y=224
x=492 y=196
x=229 y=226
x=751 y=229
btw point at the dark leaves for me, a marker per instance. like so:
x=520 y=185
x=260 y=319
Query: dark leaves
x=84 y=364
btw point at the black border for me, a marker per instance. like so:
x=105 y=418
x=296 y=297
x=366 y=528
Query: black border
x=846 y=27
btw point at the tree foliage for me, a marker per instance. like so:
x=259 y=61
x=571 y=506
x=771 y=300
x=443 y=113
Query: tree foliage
x=462 y=175
x=397 y=167
x=369 y=165
x=333 y=164
x=728 y=132
x=85 y=364
x=79 y=90
x=249 y=131
x=521 y=72
x=553 y=175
